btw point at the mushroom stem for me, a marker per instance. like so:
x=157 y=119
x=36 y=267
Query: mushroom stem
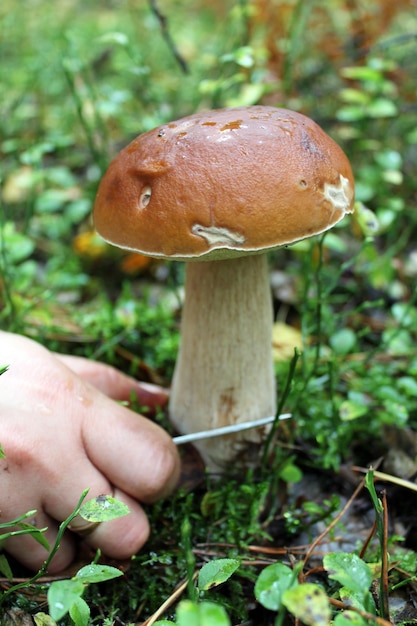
x=224 y=372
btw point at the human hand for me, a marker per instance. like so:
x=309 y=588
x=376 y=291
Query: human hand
x=62 y=432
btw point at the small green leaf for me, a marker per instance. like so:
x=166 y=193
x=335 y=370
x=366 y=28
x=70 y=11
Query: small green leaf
x=103 y=508
x=114 y=37
x=309 y=603
x=362 y=600
x=80 y=612
x=290 y=473
x=364 y=73
x=405 y=314
x=382 y=107
x=94 y=573
x=244 y=56
x=350 y=410
x=18 y=247
x=370 y=486
x=216 y=572
x=398 y=342
x=26 y=529
x=354 y=96
x=343 y=341
x=42 y=619
x=349 y=618
x=61 y=596
x=366 y=219
x=5 y=568
x=201 y=614
x=351 y=113
x=349 y=570
x=271 y=584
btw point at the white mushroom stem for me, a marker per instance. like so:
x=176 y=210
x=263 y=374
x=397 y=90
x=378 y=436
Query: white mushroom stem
x=224 y=372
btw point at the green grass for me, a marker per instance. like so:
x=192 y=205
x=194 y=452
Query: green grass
x=78 y=81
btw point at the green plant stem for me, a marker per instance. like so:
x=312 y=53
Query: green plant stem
x=295 y=38
x=5 y=277
x=189 y=558
x=43 y=570
x=381 y=519
x=383 y=588
x=95 y=151
x=319 y=306
x=283 y=399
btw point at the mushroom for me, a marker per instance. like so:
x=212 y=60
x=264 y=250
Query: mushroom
x=219 y=190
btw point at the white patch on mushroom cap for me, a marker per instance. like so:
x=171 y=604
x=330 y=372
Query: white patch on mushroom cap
x=218 y=235
x=339 y=195
x=145 y=197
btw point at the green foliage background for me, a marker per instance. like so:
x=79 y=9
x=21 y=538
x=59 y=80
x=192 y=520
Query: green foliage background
x=80 y=79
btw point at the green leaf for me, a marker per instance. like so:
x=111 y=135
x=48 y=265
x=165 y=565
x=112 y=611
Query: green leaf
x=61 y=596
x=26 y=529
x=309 y=603
x=42 y=619
x=103 y=508
x=290 y=473
x=18 y=247
x=404 y=314
x=80 y=612
x=95 y=573
x=115 y=37
x=51 y=200
x=349 y=618
x=364 y=73
x=349 y=570
x=370 y=486
x=350 y=410
x=5 y=568
x=244 y=57
x=216 y=572
x=398 y=342
x=201 y=614
x=381 y=107
x=343 y=341
x=359 y=600
x=354 y=96
x=389 y=159
x=271 y=584
x=351 y=113
x=367 y=220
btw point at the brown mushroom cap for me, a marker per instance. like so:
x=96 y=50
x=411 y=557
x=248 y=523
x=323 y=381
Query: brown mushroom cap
x=224 y=183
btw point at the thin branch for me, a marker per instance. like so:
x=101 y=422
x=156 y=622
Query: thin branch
x=335 y=521
x=163 y=22
x=168 y=602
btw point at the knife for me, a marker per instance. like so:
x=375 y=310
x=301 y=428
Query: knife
x=227 y=430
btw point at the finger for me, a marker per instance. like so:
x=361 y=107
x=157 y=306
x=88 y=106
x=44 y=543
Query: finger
x=113 y=383
x=143 y=480
x=131 y=451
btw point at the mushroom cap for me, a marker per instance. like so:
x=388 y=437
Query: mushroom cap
x=224 y=183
